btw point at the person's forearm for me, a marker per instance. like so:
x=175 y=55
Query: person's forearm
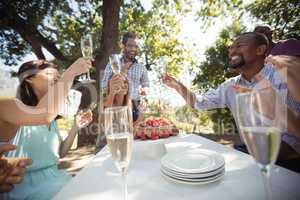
x=67 y=143
x=15 y=112
x=188 y=96
x=56 y=95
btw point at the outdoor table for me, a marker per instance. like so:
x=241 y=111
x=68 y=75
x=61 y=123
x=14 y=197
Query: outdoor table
x=242 y=181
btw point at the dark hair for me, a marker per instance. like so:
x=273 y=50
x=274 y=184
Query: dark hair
x=264 y=30
x=128 y=35
x=28 y=70
x=259 y=38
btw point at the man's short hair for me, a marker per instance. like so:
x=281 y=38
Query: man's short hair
x=259 y=38
x=128 y=35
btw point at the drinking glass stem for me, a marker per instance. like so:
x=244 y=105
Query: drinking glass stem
x=88 y=75
x=124 y=177
x=265 y=171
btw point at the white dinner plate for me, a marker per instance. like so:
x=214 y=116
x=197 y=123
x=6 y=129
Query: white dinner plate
x=194 y=175
x=199 y=182
x=193 y=161
x=195 y=179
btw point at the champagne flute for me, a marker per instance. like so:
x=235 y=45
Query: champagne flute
x=163 y=70
x=115 y=63
x=86 y=44
x=118 y=130
x=261 y=116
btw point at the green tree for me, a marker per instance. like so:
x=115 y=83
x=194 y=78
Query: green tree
x=158 y=30
x=210 y=11
x=281 y=15
x=21 y=30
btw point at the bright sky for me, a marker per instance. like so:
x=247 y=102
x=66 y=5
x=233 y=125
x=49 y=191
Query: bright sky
x=191 y=33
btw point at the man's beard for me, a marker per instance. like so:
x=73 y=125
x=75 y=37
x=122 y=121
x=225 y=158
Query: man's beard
x=240 y=63
x=130 y=56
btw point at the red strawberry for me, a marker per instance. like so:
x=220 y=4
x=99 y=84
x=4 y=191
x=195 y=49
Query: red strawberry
x=154 y=137
x=155 y=123
x=143 y=136
x=165 y=134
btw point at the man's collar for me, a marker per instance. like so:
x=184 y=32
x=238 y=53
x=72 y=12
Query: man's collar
x=263 y=72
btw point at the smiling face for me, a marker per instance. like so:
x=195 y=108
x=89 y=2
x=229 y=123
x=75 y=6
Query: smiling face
x=131 y=48
x=245 y=51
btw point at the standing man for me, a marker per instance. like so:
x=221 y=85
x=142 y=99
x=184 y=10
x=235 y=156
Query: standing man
x=247 y=55
x=135 y=71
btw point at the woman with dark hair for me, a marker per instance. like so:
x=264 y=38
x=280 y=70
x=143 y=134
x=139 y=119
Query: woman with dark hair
x=31 y=123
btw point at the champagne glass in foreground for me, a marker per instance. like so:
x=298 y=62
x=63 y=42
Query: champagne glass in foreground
x=119 y=135
x=261 y=116
x=115 y=63
x=86 y=44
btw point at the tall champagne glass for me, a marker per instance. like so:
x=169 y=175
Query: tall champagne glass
x=163 y=69
x=119 y=135
x=86 y=44
x=261 y=117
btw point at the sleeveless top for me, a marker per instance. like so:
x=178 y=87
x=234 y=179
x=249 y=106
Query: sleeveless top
x=42 y=179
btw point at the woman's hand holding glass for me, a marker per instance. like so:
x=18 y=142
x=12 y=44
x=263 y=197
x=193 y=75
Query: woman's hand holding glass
x=80 y=66
x=117 y=85
x=83 y=118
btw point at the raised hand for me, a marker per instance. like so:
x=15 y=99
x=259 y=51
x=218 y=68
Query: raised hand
x=170 y=81
x=80 y=66
x=117 y=84
x=289 y=69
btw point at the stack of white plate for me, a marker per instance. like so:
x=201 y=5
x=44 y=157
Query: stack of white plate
x=196 y=166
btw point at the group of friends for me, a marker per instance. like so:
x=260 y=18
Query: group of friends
x=31 y=144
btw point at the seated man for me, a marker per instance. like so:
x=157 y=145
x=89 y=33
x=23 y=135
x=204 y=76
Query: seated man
x=11 y=169
x=247 y=55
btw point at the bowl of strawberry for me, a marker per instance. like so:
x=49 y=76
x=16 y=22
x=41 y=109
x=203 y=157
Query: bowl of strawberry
x=154 y=129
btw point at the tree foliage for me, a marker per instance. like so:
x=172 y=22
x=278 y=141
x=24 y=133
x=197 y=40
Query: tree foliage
x=21 y=29
x=281 y=15
x=158 y=30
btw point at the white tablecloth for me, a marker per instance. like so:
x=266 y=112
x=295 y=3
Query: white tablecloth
x=242 y=181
